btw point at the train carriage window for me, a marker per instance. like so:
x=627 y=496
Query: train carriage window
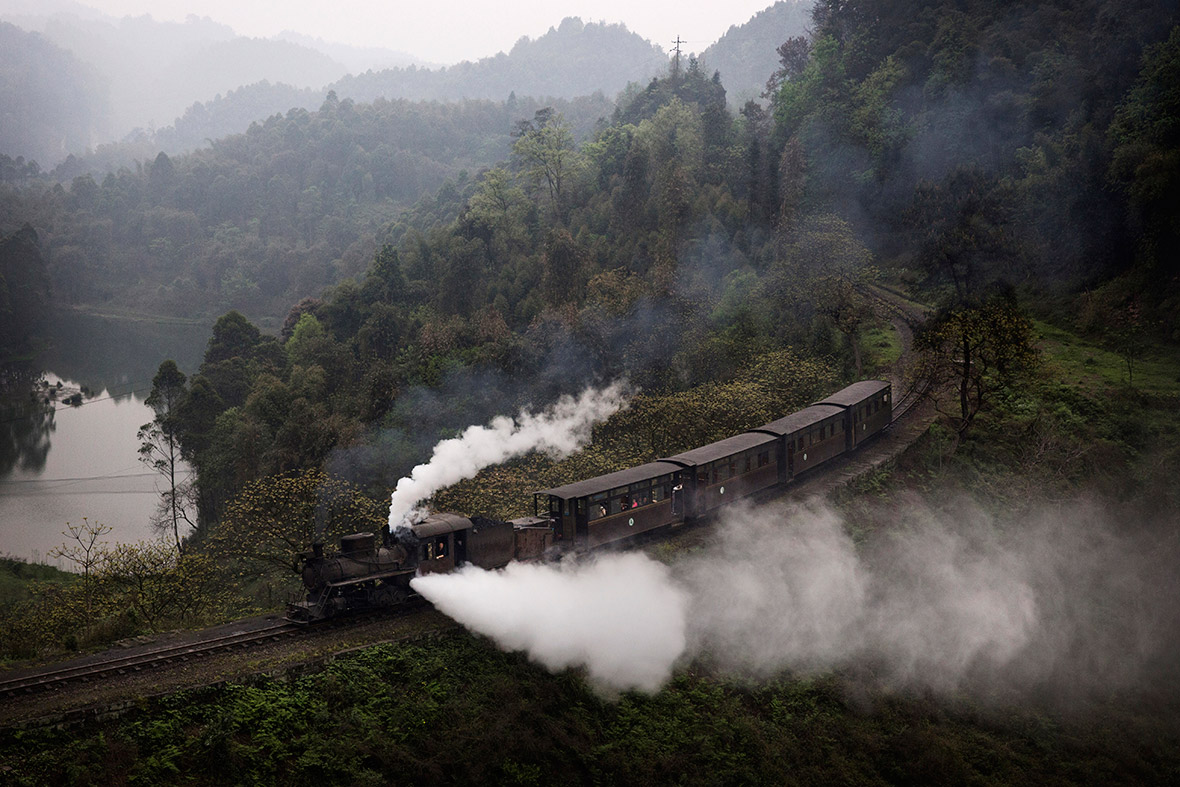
x=567 y=508
x=581 y=506
x=440 y=548
x=763 y=458
x=428 y=551
x=657 y=493
x=555 y=505
x=747 y=464
x=703 y=476
x=732 y=465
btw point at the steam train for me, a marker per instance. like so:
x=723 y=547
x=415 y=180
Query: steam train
x=593 y=513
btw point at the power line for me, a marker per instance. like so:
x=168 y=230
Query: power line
x=92 y=492
x=78 y=478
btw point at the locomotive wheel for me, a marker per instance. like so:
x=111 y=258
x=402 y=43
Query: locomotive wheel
x=389 y=596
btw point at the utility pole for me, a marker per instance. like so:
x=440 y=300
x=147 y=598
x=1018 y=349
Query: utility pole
x=676 y=65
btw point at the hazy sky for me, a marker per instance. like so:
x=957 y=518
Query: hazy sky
x=446 y=31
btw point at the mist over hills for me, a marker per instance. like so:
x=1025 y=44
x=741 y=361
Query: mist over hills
x=177 y=86
x=747 y=54
x=572 y=59
x=154 y=70
x=50 y=102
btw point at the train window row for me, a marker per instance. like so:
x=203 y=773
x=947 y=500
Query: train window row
x=637 y=495
x=725 y=469
x=825 y=431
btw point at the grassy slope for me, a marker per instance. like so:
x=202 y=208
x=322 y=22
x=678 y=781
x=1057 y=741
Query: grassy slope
x=460 y=711
x=16 y=576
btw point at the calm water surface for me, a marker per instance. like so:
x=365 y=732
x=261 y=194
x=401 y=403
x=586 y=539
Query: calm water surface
x=78 y=462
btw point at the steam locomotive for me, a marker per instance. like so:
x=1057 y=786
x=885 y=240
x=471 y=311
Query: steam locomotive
x=589 y=514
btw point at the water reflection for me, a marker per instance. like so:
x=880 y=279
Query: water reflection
x=26 y=420
x=60 y=463
x=120 y=355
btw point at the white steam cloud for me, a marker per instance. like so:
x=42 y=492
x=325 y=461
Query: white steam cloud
x=621 y=617
x=945 y=603
x=558 y=431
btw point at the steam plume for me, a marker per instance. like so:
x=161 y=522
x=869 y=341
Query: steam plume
x=620 y=616
x=558 y=431
x=1060 y=605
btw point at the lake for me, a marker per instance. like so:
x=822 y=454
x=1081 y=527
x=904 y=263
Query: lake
x=72 y=462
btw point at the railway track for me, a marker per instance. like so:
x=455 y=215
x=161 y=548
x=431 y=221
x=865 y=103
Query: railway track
x=150 y=659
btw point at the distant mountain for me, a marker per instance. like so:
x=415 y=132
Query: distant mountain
x=50 y=102
x=356 y=59
x=747 y=54
x=573 y=59
x=569 y=61
x=155 y=70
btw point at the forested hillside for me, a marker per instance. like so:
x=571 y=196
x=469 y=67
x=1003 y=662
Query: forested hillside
x=574 y=59
x=747 y=54
x=50 y=102
x=576 y=66
x=682 y=242
x=259 y=219
x=151 y=70
x=1011 y=165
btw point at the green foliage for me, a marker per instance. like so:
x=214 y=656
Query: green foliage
x=18 y=577
x=971 y=354
x=413 y=713
x=273 y=519
x=1146 y=160
x=24 y=293
x=120 y=591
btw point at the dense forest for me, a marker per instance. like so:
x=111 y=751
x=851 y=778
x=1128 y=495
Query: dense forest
x=1009 y=164
x=973 y=157
x=747 y=54
x=259 y=219
x=966 y=154
x=135 y=87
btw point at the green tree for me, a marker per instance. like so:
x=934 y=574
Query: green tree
x=273 y=519
x=1146 y=161
x=160 y=449
x=547 y=155
x=85 y=548
x=233 y=337
x=161 y=587
x=969 y=354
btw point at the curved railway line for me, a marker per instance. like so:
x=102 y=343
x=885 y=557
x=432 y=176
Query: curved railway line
x=61 y=679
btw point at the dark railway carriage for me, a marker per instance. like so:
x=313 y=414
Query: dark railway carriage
x=868 y=409
x=615 y=506
x=727 y=470
x=807 y=438
x=447 y=541
x=595 y=512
